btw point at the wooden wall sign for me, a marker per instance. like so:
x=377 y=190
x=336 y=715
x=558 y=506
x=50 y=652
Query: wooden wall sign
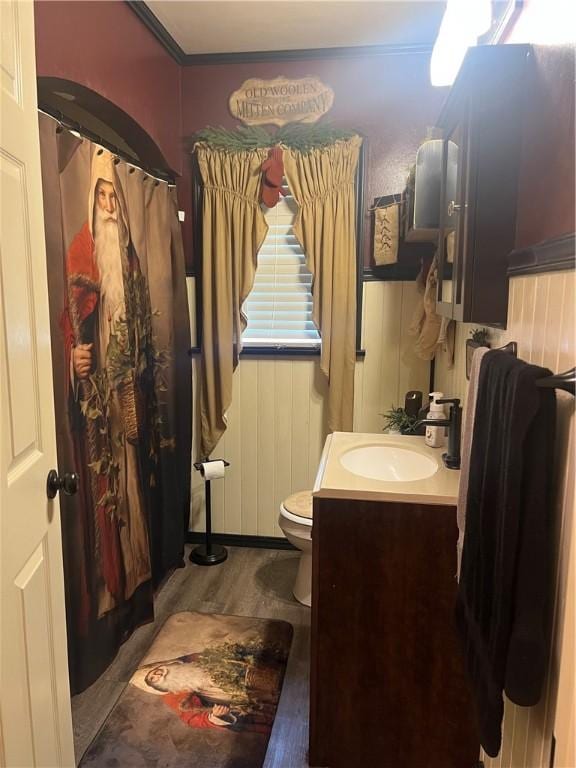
x=281 y=101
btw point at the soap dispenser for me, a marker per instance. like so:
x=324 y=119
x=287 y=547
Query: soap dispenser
x=435 y=436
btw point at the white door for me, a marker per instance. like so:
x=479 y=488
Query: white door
x=35 y=720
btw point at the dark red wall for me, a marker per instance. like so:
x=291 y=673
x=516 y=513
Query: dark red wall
x=105 y=47
x=388 y=99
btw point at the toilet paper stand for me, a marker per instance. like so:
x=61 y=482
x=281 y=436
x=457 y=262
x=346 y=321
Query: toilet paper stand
x=208 y=553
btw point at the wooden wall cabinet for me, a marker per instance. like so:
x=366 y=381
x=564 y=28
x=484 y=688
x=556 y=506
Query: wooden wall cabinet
x=481 y=125
x=387 y=682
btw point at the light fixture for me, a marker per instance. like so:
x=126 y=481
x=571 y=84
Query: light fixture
x=464 y=21
x=545 y=22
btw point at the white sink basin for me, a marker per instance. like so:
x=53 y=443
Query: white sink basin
x=388 y=463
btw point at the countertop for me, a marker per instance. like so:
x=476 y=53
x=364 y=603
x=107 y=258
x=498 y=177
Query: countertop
x=335 y=482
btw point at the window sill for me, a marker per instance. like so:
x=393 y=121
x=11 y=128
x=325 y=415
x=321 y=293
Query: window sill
x=293 y=352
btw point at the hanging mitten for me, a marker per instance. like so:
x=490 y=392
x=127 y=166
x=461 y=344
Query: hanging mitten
x=273 y=174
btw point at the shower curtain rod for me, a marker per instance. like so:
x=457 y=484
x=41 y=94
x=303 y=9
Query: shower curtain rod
x=75 y=126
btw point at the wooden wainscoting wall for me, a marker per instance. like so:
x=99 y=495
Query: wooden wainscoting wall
x=451 y=378
x=276 y=425
x=541 y=320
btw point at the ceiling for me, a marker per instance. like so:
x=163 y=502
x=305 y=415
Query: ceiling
x=237 y=26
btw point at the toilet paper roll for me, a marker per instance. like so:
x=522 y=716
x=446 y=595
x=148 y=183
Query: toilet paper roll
x=212 y=470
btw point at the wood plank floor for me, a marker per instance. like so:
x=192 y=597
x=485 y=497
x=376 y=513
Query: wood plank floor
x=252 y=582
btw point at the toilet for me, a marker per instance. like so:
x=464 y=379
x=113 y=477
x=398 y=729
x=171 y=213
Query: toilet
x=296 y=522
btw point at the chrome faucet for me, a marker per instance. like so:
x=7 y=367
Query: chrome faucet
x=454 y=423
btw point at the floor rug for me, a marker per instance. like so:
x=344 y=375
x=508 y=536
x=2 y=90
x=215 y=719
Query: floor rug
x=204 y=696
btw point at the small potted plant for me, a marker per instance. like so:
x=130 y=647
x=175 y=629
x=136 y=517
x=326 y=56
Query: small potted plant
x=479 y=337
x=397 y=421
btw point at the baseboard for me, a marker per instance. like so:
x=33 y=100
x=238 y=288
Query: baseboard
x=239 y=540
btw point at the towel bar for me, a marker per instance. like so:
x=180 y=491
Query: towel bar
x=565 y=381
x=511 y=348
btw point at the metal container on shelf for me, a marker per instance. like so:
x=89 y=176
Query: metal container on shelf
x=428 y=180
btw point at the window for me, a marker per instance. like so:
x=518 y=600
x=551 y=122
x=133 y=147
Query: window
x=279 y=307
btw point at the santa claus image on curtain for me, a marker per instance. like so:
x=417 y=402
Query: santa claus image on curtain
x=110 y=364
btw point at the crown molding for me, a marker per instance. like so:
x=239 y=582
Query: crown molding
x=160 y=32
x=158 y=29
x=303 y=54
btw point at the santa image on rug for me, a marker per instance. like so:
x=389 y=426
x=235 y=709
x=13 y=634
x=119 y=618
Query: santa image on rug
x=232 y=685
x=205 y=694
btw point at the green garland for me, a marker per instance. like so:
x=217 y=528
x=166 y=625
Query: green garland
x=301 y=136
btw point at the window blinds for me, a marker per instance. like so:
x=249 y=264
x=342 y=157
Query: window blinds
x=279 y=307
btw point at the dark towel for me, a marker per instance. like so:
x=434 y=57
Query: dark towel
x=503 y=590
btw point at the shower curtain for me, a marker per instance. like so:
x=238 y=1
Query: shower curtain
x=122 y=382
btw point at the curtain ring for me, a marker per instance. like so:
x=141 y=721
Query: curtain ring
x=59 y=128
x=100 y=151
x=116 y=160
x=156 y=183
x=131 y=169
x=145 y=178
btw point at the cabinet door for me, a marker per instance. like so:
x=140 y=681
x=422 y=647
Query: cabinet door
x=387 y=681
x=453 y=221
x=482 y=127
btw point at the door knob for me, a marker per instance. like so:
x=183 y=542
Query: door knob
x=68 y=483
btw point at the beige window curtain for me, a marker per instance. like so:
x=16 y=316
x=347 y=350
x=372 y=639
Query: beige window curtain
x=322 y=182
x=233 y=229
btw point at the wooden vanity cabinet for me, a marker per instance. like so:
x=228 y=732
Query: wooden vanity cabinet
x=387 y=682
x=481 y=125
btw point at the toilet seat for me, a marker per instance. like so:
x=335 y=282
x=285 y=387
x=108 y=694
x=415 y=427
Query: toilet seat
x=295 y=518
x=298 y=508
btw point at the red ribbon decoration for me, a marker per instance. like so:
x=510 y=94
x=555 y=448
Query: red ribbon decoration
x=272 y=175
